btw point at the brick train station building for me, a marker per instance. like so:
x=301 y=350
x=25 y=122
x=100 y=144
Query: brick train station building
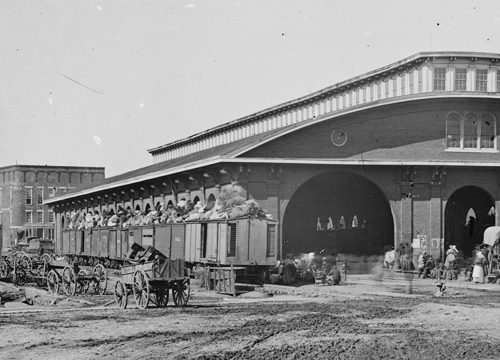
x=407 y=153
x=23 y=188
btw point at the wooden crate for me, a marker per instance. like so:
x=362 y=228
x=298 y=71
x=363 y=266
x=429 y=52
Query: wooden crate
x=221 y=279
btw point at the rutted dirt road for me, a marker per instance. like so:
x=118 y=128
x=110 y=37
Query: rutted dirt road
x=356 y=321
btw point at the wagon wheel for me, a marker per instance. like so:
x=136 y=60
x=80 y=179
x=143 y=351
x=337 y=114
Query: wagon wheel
x=100 y=279
x=82 y=286
x=40 y=275
x=161 y=297
x=53 y=282
x=121 y=295
x=181 y=292
x=46 y=258
x=69 y=281
x=25 y=261
x=19 y=276
x=141 y=289
x=4 y=269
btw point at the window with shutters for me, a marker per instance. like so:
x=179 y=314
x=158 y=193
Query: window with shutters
x=271 y=240
x=231 y=239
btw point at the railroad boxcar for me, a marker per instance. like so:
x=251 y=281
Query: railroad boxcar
x=239 y=242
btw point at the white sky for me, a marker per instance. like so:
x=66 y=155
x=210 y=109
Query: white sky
x=96 y=83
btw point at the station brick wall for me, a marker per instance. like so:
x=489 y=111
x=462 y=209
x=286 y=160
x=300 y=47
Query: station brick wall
x=411 y=131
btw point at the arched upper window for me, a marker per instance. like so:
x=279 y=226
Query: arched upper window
x=471 y=131
x=488 y=131
x=196 y=200
x=453 y=130
x=210 y=201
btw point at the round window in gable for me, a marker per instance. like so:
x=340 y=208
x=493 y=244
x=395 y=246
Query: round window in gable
x=339 y=137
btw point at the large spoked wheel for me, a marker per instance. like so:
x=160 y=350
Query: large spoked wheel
x=53 y=282
x=19 y=278
x=181 y=292
x=121 y=295
x=82 y=286
x=141 y=289
x=161 y=297
x=24 y=261
x=46 y=258
x=100 y=279
x=69 y=281
x=4 y=269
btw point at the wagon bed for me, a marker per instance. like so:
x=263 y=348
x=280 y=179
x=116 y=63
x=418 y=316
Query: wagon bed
x=151 y=281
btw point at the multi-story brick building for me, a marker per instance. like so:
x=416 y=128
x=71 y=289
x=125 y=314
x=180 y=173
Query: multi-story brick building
x=23 y=188
x=407 y=153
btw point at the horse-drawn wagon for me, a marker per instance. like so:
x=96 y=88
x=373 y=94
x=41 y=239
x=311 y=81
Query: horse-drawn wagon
x=150 y=277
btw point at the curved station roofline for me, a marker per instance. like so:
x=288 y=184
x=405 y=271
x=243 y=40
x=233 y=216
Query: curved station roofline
x=347 y=85
x=407 y=81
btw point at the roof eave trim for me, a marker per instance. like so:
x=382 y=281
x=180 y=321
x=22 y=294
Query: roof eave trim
x=137 y=179
x=362 y=162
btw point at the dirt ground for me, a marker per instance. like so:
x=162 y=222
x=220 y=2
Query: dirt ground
x=362 y=319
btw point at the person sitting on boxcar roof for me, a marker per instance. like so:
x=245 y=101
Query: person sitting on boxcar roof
x=113 y=220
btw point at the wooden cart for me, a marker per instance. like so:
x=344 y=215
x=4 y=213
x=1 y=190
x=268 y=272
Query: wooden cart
x=151 y=282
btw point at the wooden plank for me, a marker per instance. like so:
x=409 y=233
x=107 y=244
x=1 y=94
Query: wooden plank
x=177 y=240
x=162 y=239
x=258 y=241
x=222 y=230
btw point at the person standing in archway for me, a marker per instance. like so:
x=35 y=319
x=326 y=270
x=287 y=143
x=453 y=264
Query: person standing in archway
x=478 y=271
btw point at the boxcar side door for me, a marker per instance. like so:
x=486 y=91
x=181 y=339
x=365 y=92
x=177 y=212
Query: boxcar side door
x=177 y=241
x=257 y=241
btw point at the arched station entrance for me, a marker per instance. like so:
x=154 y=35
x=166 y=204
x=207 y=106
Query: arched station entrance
x=354 y=217
x=469 y=211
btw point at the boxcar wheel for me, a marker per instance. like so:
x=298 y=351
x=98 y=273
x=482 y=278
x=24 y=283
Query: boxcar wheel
x=121 y=295
x=100 y=279
x=53 y=282
x=141 y=289
x=69 y=281
x=181 y=292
